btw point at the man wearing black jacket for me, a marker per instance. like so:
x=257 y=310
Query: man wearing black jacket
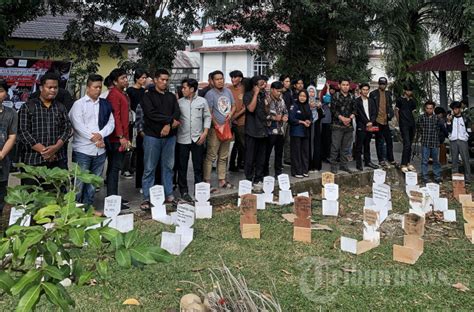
x=366 y=113
x=161 y=116
x=383 y=100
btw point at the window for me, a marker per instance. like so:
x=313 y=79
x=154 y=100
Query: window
x=260 y=65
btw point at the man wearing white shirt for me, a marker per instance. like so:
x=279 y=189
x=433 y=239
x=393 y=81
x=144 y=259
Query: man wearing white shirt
x=459 y=125
x=93 y=122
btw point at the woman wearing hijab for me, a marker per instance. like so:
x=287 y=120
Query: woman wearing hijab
x=317 y=114
x=300 y=118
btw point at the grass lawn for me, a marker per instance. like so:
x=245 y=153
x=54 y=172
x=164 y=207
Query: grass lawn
x=288 y=270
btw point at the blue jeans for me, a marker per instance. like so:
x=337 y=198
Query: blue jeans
x=95 y=164
x=154 y=148
x=434 y=153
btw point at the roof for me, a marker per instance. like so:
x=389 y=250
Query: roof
x=186 y=59
x=210 y=29
x=449 y=60
x=53 y=27
x=227 y=48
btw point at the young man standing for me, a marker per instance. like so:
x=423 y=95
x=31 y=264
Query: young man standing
x=92 y=121
x=366 y=113
x=195 y=121
x=343 y=112
x=255 y=131
x=428 y=127
x=287 y=95
x=221 y=105
x=404 y=111
x=161 y=117
x=44 y=127
x=238 y=122
x=8 y=130
x=277 y=117
x=459 y=125
x=383 y=138
x=119 y=139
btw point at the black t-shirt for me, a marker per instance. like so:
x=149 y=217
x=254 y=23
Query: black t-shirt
x=255 y=125
x=136 y=97
x=405 y=111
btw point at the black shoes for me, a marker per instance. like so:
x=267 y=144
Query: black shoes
x=371 y=165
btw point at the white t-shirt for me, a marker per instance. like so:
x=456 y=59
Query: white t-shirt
x=459 y=130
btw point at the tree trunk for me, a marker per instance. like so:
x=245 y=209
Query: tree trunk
x=330 y=52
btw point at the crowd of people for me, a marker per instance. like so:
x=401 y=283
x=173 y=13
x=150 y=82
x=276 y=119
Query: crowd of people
x=146 y=129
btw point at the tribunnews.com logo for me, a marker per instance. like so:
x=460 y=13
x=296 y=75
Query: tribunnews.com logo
x=321 y=278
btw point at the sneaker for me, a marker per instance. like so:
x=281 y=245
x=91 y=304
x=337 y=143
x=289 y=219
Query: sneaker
x=383 y=163
x=404 y=169
x=187 y=198
x=394 y=163
x=299 y=176
x=125 y=202
x=439 y=181
x=305 y=175
x=334 y=169
x=411 y=168
x=127 y=175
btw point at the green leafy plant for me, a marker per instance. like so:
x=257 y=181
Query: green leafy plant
x=36 y=259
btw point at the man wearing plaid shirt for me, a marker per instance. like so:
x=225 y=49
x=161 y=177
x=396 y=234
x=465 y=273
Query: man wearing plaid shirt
x=44 y=127
x=428 y=128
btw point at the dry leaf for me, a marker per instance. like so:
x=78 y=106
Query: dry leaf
x=290 y=217
x=460 y=287
x=92 y=282
x=348 y=270
x=179 y=289
x=131 y=301
x=321 y=227
x=286 y=272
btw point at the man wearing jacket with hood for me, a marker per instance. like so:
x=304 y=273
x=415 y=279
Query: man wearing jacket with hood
x=383 y=138
x=459 y=126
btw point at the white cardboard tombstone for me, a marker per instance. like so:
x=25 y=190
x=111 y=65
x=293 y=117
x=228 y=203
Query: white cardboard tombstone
x=158 y=209
x=245 y=187
x=122 y=223
x=203 y=210
x=284 y=182
x=381 y=194
x=202 y=192
x=285 y=197
x=330 y=207
x=449 y=215
x=371 y=234
x=268 y=187
x=379 y=176
x=171 y=242
x=331 y=191
x=349 y=244
x=202 y=205
x=260 y=201
x=112 y=205
x=185 y=215
x=16 y=214
x=440 y=204
x=411 y=178
x=433 y=189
